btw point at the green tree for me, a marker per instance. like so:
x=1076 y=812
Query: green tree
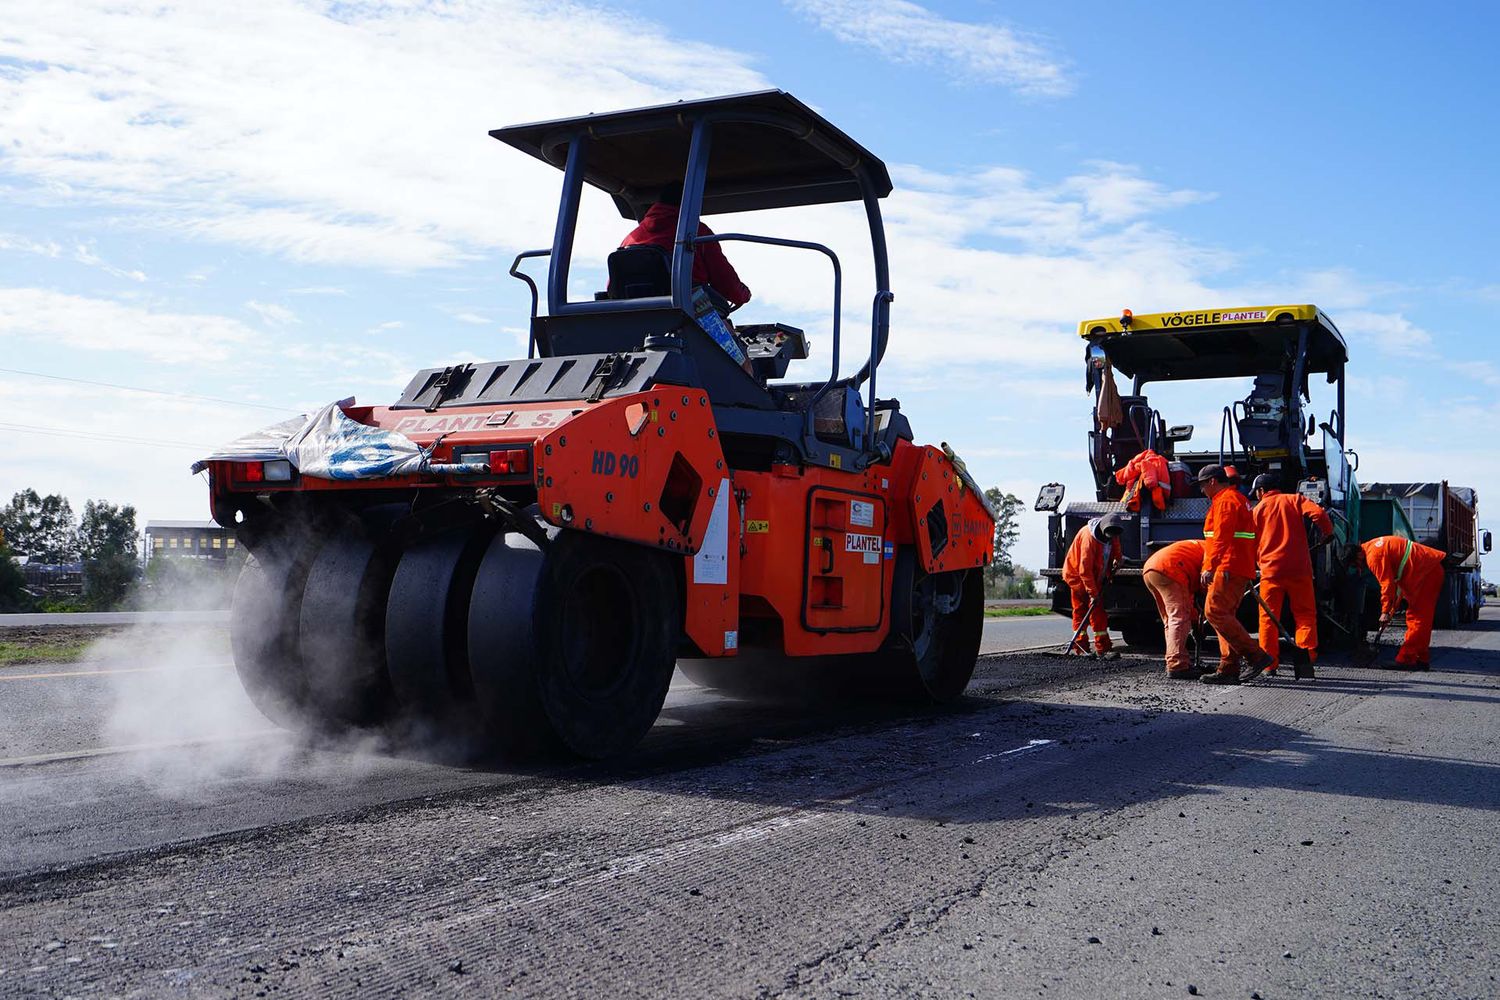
x=107 y=541
x=1007 y=508
x=107 y=529
x=13 y=595
x=40 y=527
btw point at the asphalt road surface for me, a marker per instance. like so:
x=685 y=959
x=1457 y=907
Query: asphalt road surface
x=1071 y=829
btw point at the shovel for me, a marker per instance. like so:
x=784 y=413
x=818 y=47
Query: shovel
x=1068 y=650
x=1367 y=656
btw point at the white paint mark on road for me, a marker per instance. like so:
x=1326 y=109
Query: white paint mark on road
x=1028 y=747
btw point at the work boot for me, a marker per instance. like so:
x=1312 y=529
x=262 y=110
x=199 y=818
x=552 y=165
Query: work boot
x=1258 y=664
x=1220 y=678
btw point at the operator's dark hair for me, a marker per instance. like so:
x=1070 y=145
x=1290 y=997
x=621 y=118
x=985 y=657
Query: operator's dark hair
x=671 y=194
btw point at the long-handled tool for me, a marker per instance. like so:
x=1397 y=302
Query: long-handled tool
x=1367 y=656
x=1198 y=623
x=1301 y=659
x=1072 y=647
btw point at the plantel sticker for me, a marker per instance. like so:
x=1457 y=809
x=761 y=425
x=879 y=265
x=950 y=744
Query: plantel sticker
x=868 y=546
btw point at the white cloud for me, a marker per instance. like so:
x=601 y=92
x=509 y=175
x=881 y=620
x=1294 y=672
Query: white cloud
x=92 y=324
x=82 y=253
x=1390 y=333
x=343 y=133
x=270 y=312
x=905 y=32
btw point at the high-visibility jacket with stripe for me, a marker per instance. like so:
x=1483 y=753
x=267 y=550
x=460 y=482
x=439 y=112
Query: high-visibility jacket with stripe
x=1281 y=538
x=1229 y=535
x=1403 y=568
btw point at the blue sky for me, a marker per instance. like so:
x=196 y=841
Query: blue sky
x=296 y=202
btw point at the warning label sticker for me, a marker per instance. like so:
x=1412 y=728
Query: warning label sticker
x=861 y=514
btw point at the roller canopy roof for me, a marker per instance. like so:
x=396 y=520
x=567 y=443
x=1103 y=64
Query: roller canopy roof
x=769 y=150
x=1217 y=343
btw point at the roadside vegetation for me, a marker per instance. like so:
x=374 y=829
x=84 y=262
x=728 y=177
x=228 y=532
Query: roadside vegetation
x=1024 y=611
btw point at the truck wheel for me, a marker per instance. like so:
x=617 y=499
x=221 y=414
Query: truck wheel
x=573 y=646
x=937 y=621
x=263 y=625
x=1144 y=634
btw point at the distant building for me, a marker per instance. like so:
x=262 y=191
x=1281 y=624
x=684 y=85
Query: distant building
x=188 y=540
x=52 y=579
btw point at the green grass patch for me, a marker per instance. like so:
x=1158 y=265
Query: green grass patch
x=62 y=650
x=1018 y=612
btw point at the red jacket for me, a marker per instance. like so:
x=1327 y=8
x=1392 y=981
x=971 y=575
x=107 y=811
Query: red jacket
x=710 y=266
x=1085 y=565
x=1413 y=569
x=1229 y=535
x=1149 y=467
x=1281 y=538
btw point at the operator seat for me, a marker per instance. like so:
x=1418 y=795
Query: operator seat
x=1263 y=423
x=639 y=272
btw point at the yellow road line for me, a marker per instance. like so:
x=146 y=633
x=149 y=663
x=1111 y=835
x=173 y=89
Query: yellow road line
x=96 y=673
x=52 y=758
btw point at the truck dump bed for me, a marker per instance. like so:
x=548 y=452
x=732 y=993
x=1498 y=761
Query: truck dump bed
x=1441 y=516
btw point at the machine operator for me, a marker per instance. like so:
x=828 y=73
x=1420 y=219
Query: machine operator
x=710 y=267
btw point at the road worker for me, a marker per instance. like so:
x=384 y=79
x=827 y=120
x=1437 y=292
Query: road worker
x=710 y=267
x=1286 y=570
x=1147 y=474
x=1092 y=558
x=1407 y=569
x=1228 y=570
x=1173 y=575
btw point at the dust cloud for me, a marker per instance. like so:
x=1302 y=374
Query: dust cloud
x=177 y=710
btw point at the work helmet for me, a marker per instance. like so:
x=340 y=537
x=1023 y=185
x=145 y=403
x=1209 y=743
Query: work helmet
x=1265 y=481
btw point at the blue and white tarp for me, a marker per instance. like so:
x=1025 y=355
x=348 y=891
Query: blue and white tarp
x=327 y=445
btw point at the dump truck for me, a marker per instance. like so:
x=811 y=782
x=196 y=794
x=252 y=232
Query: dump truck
x=516 y=553
x=1274 y=352
x=1445 y=518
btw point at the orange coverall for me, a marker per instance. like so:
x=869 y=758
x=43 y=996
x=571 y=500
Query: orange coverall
x=1229 y=548
x=1147 y=472
x=1084 y=572
x=1286 y=570
x=1172 y=577
x=1413 y=571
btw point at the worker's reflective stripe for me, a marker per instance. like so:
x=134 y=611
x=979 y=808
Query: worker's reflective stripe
x=1244 y=534
x=1405 y=558
x=1208 y=534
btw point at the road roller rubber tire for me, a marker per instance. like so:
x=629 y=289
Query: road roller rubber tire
x=572 y=646
x=426 y=635
x=932 y=653
x=263 y=625
x=341 y=632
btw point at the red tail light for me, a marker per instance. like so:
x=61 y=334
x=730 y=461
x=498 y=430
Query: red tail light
x=510 y=461
x=251 y=472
